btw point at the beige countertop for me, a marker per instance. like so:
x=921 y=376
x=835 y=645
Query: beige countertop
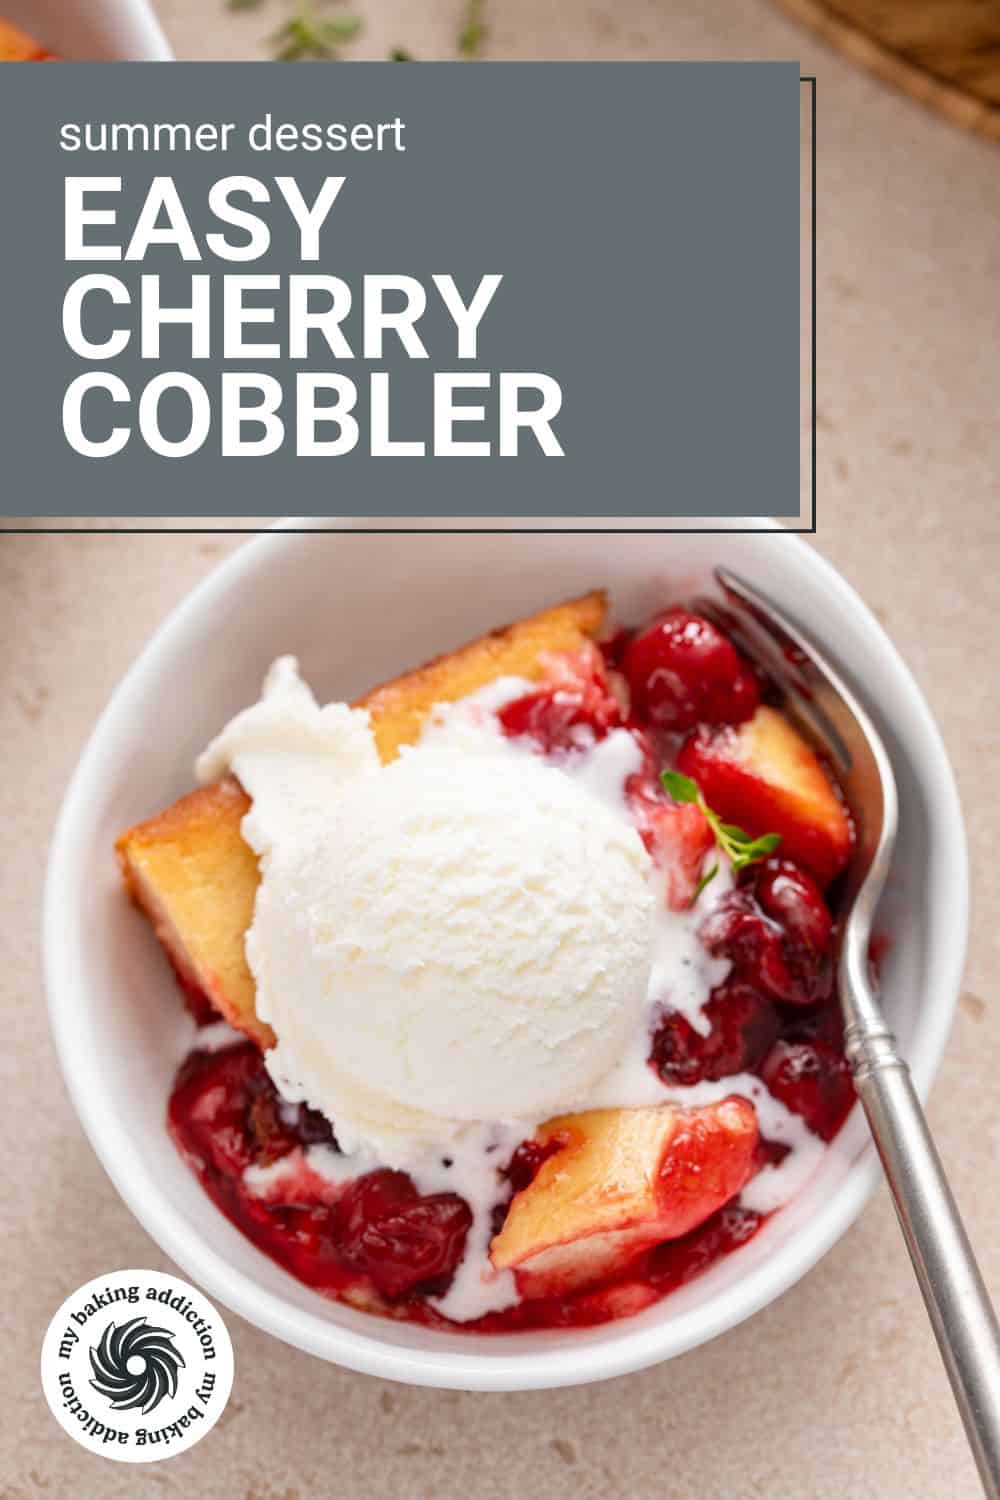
x=836 y=1389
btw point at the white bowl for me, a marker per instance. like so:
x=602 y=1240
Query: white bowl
x=357 y=608
x=93 y=30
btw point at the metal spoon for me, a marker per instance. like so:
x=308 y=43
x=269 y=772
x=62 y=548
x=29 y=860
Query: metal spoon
x=961 y=1314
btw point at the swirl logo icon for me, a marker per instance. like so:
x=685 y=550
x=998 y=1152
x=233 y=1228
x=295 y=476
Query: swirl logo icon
x=135 y=1365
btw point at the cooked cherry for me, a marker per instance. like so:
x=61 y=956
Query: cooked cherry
x=557 y=719
x=791 y=896
x=226 y=1112
x=678 y=838
x=737 y=929
x=785 y=947
x=676 y=1262
x=527 y=1161
x=812 y=1080
x=401 y=1240
x=574 y=703
x=221 y=1110
x=744 y=1024
x=682 y=671
x=820 y=1023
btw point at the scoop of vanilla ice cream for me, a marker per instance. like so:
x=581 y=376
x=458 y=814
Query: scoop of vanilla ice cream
x=293 y=757
x=464 y=935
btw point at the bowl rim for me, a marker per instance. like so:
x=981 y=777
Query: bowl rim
x=625 y=1347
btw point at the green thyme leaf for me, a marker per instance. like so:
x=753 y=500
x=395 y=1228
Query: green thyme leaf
x=761 y=848
x=242 y=4
x=473 y=30
x=305 y=35
x=400 y=54
x=705 y=880
x=736 y=844
x=681 y=788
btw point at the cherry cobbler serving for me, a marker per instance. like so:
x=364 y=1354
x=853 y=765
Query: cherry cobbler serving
x=512 y=983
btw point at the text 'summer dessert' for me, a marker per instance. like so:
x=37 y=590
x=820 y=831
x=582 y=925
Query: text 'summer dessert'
x=525 y=967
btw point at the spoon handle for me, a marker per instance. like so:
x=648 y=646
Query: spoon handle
x=960 y=1310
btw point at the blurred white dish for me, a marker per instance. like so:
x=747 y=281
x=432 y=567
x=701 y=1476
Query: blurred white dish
x=93 y=30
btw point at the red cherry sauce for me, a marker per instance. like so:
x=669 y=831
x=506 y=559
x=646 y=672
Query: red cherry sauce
x=226 y=1115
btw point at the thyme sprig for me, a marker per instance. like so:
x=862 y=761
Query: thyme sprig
x=736 y=844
